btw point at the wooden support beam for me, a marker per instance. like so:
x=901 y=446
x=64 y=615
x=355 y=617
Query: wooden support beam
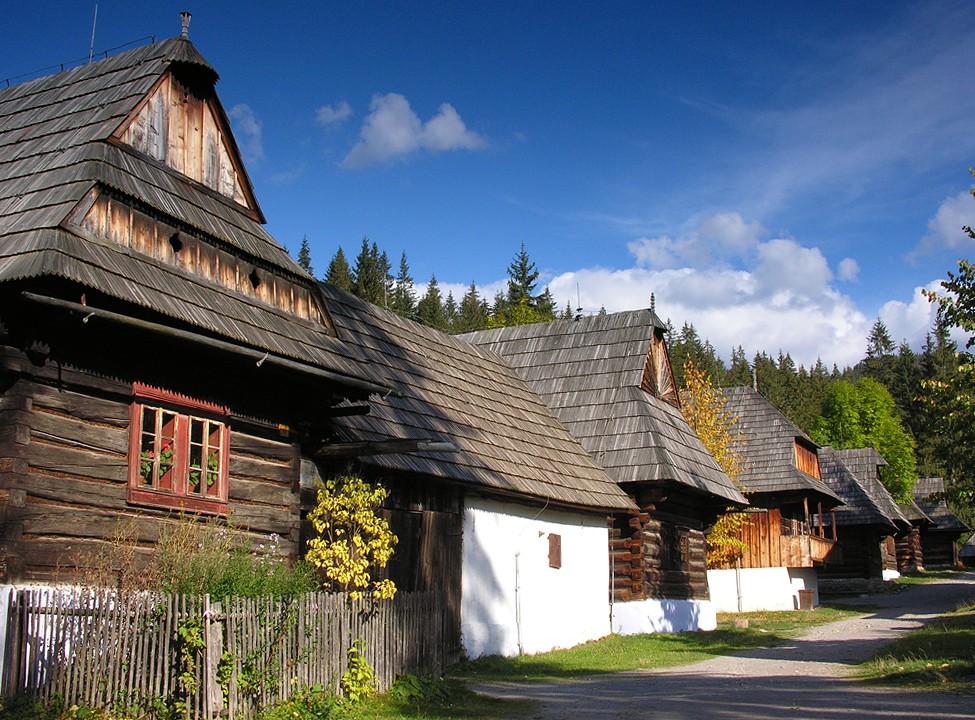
x=833 y=516
x=819 y=516
x=382 y=447
x=88 y=313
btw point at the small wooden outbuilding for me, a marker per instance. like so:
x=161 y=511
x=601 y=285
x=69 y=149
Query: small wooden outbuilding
x=939 y=540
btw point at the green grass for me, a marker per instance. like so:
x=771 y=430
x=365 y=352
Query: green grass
x=444 y=700
x=618 y=653
x=921 y=578
x=939 y=656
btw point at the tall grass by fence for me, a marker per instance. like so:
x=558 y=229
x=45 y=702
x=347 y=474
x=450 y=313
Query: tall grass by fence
x=97 y=647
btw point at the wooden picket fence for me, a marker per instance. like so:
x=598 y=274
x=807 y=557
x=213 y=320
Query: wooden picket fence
x=96 y=647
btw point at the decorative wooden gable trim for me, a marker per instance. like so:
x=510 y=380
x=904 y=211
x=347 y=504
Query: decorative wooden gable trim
x=658 y=376
x=109 y=217
x=185 y=128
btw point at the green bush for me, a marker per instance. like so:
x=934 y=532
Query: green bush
x=312 y=703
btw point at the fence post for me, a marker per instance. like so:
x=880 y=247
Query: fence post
x=214 y=651
x=13 y=652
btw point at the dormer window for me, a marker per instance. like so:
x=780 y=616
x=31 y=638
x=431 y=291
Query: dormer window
x=806 y=459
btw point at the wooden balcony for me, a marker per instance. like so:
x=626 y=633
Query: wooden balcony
x=774 y=541
x=805 y=550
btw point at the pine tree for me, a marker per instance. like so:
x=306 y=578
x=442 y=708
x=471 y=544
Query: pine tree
x=371 y=274
x=740 y=372
x=473 y=312
x=304 y=256
x=879 y=343
x=545 y=306
x=404 y=296
x=430 y=309
x=567 y=313
x=385 y=273
x=522 y=276
x=338 y=274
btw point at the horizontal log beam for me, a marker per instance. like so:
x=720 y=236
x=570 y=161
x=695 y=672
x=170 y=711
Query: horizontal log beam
x=382 y=447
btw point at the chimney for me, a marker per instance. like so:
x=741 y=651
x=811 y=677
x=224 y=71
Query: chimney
x=184 y=24
x=755 y=379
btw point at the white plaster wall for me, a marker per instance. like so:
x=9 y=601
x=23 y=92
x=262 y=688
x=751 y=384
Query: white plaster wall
x=552 y=607
x=652 y=616
x=762 y=588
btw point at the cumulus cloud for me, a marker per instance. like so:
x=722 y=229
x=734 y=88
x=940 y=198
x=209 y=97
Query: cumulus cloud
x=718 y=237
x=328 y=115
x=848 y=270
x=945 y=228
x=392 y=129
x=248 y=131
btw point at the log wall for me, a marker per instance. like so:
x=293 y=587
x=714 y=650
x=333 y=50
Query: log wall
x=64 y=473
x=910 y=557
x=857 y=554
x=939 y=548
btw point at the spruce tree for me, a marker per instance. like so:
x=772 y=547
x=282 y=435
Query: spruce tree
x=450 y=313
x=522 y=276
x=404 y=296
x=304 y=256
x=339 y=274
x=371 y=274
x=740 y=372
x=567 y=313
x=430 y=309
x=473 y=312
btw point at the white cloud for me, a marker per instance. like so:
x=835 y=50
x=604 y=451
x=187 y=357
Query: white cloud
x=911 y=320
x=787 y=270
x=848 y=270
x=717 y=237
x=248 y=131
x=333 y=114
x=945 y=228
x=392 y=129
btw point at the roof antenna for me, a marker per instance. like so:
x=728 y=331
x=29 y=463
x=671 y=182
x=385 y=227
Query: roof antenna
x=184 y=24
x=91 y=47
x=578 y=315
x=653 y=305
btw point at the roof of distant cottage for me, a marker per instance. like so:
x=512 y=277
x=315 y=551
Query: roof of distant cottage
x=864 y=464
x=589 y=372
x=770 y=446
x=508 y=440
x=56 y=146
x=860 y=505
x=943 y=520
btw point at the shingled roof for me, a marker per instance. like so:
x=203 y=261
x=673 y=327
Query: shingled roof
x=943 y=520
x=57 y=148
x=589 y=372
x=508 y=441
x=860 y=505
x=770 y=438
x=913 y=512
x=865 y=463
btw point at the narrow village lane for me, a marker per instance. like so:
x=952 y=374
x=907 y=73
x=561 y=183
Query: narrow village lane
x=806 y=678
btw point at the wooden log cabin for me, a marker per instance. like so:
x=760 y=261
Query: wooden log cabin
x=159 y=351
x=867 y=524
x=784 y=486
x=608 y=380
x=939 y=539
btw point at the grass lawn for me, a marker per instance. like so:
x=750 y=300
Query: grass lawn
x=929 y=576
x=939 y=656
x=634 y=652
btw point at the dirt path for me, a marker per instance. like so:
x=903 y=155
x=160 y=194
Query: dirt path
x=806 y=678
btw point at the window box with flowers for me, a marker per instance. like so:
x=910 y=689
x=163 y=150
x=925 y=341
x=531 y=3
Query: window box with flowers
x=178 y=452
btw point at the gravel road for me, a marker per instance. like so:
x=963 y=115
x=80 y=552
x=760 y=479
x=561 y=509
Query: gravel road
x=806 y=678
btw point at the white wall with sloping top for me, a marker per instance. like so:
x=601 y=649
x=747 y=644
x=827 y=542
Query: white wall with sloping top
x=512 y=602
x=663 y=616
x=774 y=588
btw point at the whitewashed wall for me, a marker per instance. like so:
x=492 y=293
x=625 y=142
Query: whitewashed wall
x=761 y=588
x=512 y=601
x=652 y=616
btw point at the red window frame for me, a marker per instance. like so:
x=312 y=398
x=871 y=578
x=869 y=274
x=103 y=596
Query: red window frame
x=175 y=417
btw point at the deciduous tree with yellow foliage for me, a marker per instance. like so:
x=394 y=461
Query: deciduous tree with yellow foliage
x=351 y=539
x=703 y=406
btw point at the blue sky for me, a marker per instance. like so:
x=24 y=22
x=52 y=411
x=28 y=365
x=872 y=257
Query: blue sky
x=778 y=174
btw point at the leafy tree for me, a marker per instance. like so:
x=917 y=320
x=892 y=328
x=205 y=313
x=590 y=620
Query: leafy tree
x=430 y=309
x=704 y=409
x=339 y=274
x=404 y=296
x=304 y=256
x=352 y=540
x=863 y=414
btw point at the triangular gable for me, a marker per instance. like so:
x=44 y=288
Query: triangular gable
x=658 y=376
x=184 y=126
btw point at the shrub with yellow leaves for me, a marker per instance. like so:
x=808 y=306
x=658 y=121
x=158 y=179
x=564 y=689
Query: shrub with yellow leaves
x=351 y=539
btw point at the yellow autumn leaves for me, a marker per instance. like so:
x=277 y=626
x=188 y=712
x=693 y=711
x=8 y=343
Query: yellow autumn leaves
x=351 y=540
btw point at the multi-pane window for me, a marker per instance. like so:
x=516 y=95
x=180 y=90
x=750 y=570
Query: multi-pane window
x=178 y=456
